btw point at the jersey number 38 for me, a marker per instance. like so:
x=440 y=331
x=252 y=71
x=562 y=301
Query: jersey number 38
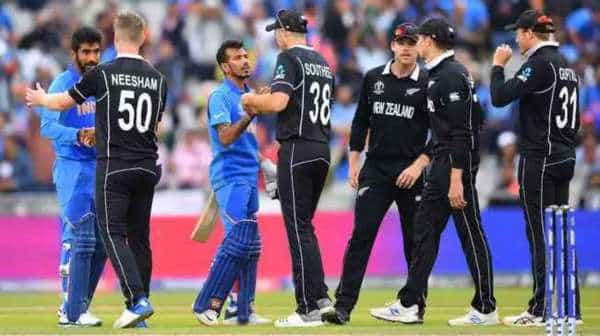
x=322 y=102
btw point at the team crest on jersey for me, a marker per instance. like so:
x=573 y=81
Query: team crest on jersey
x=410 y=92
x=378 y=87
x=525 y=74
x=279 y=72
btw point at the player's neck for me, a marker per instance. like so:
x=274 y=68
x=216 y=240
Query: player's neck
x=402 y=70
x=239 y=82
x=130 y=49
x=295 y=42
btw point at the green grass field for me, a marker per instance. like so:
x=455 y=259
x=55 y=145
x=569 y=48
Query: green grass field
x=36 y=314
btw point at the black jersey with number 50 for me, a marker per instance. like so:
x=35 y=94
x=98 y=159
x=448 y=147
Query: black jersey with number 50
x=305 y=76
x=130 y=98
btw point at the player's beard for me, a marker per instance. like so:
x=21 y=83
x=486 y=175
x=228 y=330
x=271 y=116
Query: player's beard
x=86 y=66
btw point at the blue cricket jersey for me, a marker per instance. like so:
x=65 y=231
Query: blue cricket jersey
x=62 y=127
x=237 y=162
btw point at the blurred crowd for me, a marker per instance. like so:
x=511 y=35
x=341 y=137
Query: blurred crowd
x=352 y=35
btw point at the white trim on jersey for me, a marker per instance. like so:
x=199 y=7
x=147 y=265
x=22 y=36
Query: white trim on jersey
x=550 y=111
x=134 y=168
x=303 y=93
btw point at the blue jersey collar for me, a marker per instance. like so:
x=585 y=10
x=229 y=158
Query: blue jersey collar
x=72 y=69
x=234 y=87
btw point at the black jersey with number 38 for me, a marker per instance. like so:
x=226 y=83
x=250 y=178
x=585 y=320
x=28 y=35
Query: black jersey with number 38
x=130 y=98
x=305 y=76
x=549 y=101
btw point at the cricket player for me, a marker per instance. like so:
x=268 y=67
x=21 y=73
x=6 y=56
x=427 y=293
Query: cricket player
x=547 y=89
x=234 y=177
x=130 y=99
x=72 y=134
x=301 y=92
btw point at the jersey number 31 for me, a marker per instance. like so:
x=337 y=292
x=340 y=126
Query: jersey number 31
x=322 y=101
x=567 y=100
x=139 y=116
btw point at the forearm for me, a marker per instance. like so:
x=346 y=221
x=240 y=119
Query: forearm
x=53 y=130
x=354 y=158
x=230 y=133
x=456 y=175
x=58 y=102
x=270 y=103
x=422 y=161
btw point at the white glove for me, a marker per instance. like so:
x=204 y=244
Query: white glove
x=269 y=170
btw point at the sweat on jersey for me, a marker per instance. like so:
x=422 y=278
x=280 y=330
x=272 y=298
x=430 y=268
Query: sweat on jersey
x=304 y=75
x=548 y=90
x=62 y=128
x=237 y=162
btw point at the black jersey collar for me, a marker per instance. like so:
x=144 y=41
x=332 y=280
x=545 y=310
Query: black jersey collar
x=436 y=61
x=130 y=56
x=540 y=46
x=388 y=70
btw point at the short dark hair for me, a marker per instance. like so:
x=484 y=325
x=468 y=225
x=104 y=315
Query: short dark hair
x=222 y=52
x=85 y=35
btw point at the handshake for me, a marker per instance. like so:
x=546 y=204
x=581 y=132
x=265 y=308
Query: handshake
x=87 y=137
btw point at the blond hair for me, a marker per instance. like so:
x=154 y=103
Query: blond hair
x=129 y=26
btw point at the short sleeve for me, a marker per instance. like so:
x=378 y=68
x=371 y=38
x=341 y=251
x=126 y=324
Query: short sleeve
x=284 y=77
x=218 y=110
x=86 y=87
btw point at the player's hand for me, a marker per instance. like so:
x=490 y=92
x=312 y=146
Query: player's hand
x=502 y=55
x=269 y=170
x=263 y=90
x=87 y=136
x=456 y=194
x=353 y=173
x=409 y=176
x=35 y=97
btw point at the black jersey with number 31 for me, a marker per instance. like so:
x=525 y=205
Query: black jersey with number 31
x=549 y=101
x=130 y=98
x=305 y=76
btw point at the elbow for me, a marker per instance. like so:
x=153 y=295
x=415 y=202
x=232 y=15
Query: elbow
x=279 y=101
x=496 y=100
x=225 y=140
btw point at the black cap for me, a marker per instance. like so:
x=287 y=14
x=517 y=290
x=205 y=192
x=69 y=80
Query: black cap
x=438 y=29
x=536 y=21
x=289 y=20
x=405 y=31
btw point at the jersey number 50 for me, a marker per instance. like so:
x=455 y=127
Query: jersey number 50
x=322 y=101
x=135 y=117
x=563 y=95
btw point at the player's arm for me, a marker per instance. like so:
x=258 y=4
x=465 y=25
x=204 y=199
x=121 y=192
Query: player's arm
x=454 y=94
x=358 y=133
x=531 y=77
x=282 y=86
x=229 y=133
x=220 y=118
x=50 y=127
x=57 y=102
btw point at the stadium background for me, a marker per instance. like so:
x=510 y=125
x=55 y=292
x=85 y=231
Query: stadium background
x=353 y=36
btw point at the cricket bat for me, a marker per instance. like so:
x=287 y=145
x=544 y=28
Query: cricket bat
x=206 y=223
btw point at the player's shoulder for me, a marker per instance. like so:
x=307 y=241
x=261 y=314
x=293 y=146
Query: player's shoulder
x=375 y=72
x=220 y=92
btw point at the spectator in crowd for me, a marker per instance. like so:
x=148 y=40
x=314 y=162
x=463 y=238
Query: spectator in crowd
x=190 y=160
x=583 y=26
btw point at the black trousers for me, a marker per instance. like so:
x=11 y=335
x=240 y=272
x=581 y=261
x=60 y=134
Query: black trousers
x=430 y=221
x=124 y=193
x=377 y=191
x=301 y=171
x=544 y=181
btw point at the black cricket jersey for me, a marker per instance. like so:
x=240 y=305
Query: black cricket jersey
x=454 y=111
x=393 y=111
x=549 y=101
x=305 y=76
x=130 y=98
